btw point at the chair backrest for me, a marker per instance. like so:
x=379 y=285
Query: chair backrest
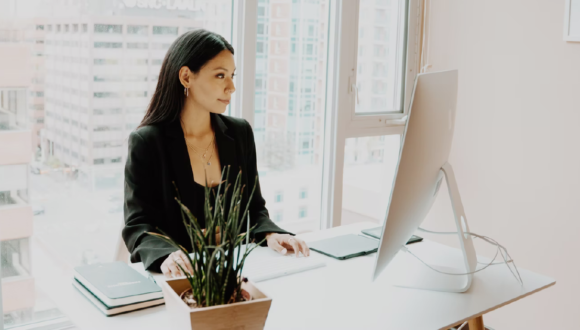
x=121 y=253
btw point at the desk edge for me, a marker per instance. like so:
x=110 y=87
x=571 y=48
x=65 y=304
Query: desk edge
x=499 y=306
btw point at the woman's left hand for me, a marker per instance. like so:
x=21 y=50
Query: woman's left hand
x=284 y=243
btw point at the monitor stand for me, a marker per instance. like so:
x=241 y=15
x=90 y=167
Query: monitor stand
x=411 y=273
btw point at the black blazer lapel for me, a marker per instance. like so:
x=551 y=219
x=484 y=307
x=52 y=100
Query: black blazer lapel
x=226 y=148
x=180 y=164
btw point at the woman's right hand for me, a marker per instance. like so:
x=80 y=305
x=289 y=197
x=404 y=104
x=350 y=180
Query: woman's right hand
x=169 y=266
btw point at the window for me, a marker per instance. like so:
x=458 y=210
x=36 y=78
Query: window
x=137 y=45
x=137 y=29
x=92 y=103
x=113 y=111
x=303 y=212
x=136 y=94
x=108 y=28
x=387 y=42
x=106 y=94
x=107 y=78
x=91 y=107
x=102 y=61
x=384 y=70
x=279 y=136
x=159 y=45
x=15 y=258
x=279 y=198
x=108 y=45
x=369 y=171
x=165 y=30
x=278 y=216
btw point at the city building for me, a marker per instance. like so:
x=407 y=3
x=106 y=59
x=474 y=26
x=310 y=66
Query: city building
x=290 y=89
x=15 y=212
x=33 y=35
x=101 y=71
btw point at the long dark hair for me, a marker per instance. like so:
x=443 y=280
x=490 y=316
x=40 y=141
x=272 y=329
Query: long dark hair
x=192 y=49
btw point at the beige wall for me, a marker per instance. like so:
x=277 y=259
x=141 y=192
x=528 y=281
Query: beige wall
x=15 y=222
x=516 y=151
x=15 y=147
x=14 y=67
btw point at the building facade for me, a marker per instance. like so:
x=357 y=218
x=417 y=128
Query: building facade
x=15 y=212
x=101 y=72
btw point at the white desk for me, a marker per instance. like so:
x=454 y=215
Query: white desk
x=341 y=296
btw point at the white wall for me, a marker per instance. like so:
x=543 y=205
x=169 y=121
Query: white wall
x=516 y=151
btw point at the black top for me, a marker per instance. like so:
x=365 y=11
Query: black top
x=158 y=157
x=198 y=208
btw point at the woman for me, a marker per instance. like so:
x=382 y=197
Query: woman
x=183 y=136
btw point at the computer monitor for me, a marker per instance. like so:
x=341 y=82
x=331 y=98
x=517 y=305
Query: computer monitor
x=422 y=166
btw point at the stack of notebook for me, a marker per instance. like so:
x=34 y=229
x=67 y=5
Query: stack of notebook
x=116 y=288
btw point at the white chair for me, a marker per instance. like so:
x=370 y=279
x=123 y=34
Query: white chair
x=121 y=253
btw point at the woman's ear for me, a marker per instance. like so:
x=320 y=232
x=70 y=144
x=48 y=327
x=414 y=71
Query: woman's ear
x=184 y=76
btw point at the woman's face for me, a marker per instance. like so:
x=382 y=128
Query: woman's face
x=212 y=87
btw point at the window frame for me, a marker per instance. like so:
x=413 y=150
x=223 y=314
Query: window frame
x=341 y=120
x=1 y=298
x=348 y=123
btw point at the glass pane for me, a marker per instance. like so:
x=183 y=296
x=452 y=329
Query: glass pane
x=13 y=114
x=369 y=170
x=80 y=80
x=15 y=258
x=289 y=107
x=381 y=52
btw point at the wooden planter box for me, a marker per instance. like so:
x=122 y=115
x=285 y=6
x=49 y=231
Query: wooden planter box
x=247 y=315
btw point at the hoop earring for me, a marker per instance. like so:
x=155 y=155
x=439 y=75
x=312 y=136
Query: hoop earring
x=185 y=91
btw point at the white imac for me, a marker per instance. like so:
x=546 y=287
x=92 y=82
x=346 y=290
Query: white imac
x=420 y=171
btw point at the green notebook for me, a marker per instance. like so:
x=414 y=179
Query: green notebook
x=117 y=284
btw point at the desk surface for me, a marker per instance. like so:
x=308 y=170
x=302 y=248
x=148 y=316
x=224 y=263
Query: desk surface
x=341 y=295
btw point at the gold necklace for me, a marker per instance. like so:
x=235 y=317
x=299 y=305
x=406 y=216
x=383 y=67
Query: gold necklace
x=202 y=157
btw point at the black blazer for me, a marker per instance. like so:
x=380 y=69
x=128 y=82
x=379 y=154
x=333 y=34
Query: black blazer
x=157 y=157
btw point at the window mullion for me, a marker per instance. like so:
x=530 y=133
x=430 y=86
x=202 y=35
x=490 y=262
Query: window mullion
x=342 y=105
x=244 y=37
x=1 y=306
x=331 y=116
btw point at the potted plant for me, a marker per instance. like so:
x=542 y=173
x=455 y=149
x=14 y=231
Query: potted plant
x=216 y=295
